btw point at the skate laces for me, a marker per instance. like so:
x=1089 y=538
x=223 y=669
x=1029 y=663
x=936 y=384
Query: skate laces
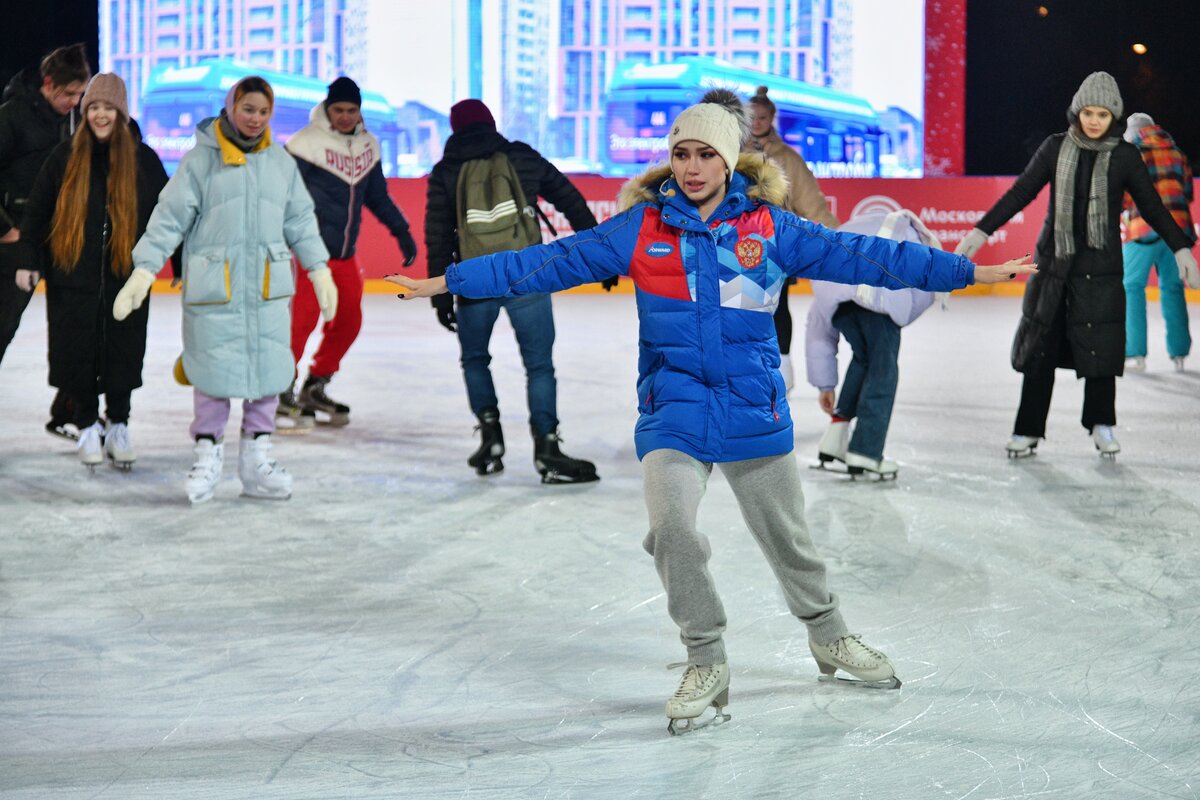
x=850 y=648
x=696 y=679
x=118 y=437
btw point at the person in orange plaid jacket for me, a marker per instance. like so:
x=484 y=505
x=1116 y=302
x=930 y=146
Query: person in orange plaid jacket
x=1143 y=248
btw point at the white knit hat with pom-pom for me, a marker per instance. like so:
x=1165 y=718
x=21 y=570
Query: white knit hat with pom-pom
x=718 y=121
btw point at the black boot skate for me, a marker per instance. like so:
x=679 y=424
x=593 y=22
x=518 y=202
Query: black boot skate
x=290 y=416
x=313 y=398
x=557 y=467
x=486 y=460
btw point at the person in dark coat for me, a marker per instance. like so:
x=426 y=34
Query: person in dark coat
x=40 y=110
x=1073 y=314
x=88 y=206
x=475 y=137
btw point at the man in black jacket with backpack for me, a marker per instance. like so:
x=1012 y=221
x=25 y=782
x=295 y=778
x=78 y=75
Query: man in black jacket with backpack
x=449 y=238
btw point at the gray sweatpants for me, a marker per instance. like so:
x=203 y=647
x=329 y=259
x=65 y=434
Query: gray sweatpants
x=769 y=495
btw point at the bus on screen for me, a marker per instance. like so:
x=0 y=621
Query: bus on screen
x=838 y=134
x=178 y=98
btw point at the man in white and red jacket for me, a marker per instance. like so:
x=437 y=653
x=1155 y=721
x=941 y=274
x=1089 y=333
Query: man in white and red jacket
x=339 y=161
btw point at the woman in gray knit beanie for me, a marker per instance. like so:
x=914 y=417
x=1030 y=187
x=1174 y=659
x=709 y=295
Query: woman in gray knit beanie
x=1074 y=309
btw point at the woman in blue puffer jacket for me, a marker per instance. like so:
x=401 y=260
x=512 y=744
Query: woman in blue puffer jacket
x=240 y=208
x=709 y=250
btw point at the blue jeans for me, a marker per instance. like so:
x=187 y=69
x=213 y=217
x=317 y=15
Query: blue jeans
x=1139 y=257
x=532 y=319
x=869 y=388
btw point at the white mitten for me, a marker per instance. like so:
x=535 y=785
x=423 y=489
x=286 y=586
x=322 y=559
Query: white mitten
x=971 y=243
x=326 y=292
x=1187 y=268
x=133 y=293
x=27 y=279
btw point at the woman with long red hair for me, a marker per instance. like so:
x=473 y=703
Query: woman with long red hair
x=88 y=207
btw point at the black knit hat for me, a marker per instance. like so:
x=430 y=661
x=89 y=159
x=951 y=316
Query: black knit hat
x=343 y=90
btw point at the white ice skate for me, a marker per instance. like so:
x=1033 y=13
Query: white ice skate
x=882 y=468
x=1019 y=446
x=1178 y=360
x=833 y=444
x=789 y=374
x=91 y=445
x=118 y=446
x=206 y=472
x=261 y=476
x=1105 y=441
x=871 y=669
x=701 y=687
x=1135 y=364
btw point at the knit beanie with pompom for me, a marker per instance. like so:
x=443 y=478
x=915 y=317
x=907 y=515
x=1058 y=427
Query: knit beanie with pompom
x=718 y=120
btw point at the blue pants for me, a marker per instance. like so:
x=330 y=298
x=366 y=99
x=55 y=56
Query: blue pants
x=869 y=388
x=532 y=319
x=1139 y=257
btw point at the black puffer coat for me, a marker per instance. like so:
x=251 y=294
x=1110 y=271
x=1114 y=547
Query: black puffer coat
x=29 y=130
x=90 y=352
x=1090 y=282
x=539 y=178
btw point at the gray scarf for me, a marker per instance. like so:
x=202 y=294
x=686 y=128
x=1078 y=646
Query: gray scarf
x=232 y=134
x=1064 y=192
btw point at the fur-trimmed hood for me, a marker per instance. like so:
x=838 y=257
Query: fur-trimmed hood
x=767 y=183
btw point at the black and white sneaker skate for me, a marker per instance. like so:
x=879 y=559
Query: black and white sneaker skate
x=291 y=417
x=314 y=399
x=62 y=411
x=486 y=460
x=555 y=466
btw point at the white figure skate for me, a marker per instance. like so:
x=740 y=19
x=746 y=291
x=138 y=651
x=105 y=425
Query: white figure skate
x=206 y=472
x=91 y=445
x=1135 y=364
x=701 y=687
x=1178 y=361
x=884 y=469
x=1105 y=441
x=871 y=669
x=261 y=476
x=832 y=447
x=1021 y=446
x=118 y=446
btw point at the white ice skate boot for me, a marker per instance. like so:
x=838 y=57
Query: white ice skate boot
x=834 y=443
x=261 y=476
x=789 y=375
x=871 y=669
x=1019 y=446
x=1135 y=364
x=91 y=445
x=202 y=479
x=701 y=687
x=118 y=446
x=883 y=468
x=1178 y=363
x=1106 y=443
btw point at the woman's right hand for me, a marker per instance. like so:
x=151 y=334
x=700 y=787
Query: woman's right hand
x=27 y=279
x=1009 y=270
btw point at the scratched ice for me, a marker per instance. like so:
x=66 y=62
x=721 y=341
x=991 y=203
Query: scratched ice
x=403 y=629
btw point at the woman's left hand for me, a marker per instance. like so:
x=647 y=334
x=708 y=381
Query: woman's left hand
x=1009 y=270
x=418 y=288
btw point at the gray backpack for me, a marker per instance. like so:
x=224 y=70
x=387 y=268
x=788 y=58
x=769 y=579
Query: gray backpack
x=493 y=215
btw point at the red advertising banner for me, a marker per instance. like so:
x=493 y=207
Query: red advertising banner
x=950 y=207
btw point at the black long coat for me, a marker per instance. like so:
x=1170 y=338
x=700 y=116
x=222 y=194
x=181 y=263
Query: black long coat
x=1090 y=282
x=90 y=352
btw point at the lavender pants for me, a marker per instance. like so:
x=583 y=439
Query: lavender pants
x=212 y=414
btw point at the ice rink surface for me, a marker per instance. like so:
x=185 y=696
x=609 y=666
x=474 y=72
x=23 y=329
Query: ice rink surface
x=404 y=629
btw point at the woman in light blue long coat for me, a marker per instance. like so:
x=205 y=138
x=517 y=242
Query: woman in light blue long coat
x=239 y=207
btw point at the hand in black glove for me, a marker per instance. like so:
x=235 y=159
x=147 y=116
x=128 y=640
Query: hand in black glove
x=444 y=305
x=608 y=283
x=407 y=246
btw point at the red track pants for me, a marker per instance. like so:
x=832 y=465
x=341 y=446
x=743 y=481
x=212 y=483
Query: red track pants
x=339 y=333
